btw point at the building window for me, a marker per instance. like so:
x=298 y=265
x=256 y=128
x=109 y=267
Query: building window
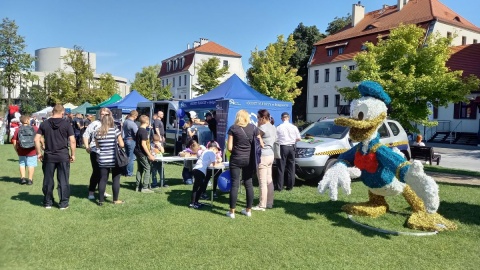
x=184 y=79
x=340 y=50
x=330 y=52
x=316 y=75
x=185 y=96
x=475 y=41
x=182 y=62
x=337 y=100
x=464 y=110
x=339 y=73
x=449 y=34
x=352 y=67
x=179 y=80
x=163 y=83
x=225 y=63
x=327 y=75
x=168 y=66
x=315 y=101
x=464 y=40
x=167 y=81
x=325 y=101
x=173 y=82
x=175 y=64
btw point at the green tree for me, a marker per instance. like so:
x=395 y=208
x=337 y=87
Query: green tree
x=33 y=99
x=270 y=72
x=413 y=72
x=305 y=37
x=78 y=84
x=148 y=84
x=13 y=59
x=106 y=87
x=52 y=86
x=209 y=72
x=338 y=24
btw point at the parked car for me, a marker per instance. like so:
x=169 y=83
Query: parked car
x=323 y=141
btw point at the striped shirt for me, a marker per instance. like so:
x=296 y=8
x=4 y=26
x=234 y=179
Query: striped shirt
x=106 y=148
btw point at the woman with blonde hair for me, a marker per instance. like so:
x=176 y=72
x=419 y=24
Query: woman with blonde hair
x=108 y=138
x=240 y=138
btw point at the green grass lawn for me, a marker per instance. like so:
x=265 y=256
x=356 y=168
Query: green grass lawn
x=304 y=230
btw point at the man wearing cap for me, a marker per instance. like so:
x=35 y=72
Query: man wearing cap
x=212 y=124
x=287 y=136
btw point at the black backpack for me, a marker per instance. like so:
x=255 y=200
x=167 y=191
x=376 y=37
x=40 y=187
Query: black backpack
x=26 y=134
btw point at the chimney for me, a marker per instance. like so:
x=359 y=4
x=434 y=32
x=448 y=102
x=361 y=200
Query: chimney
x=196 y=44
x=203 y=41
x=401 y=3
x=358 y=12
x=188 y=46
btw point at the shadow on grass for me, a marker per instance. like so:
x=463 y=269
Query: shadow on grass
x=13 y=159
x=464 y=212
x=15 y=180
x=331 y=210
x=34 y=199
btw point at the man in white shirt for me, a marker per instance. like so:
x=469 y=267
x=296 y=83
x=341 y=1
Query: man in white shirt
x=287 y=136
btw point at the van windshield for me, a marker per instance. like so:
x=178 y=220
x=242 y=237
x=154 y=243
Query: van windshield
x=325 y=129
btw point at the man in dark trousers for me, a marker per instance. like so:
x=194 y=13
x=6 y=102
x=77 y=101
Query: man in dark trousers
x=58 y=133
x=287 y=136
x=158 y=126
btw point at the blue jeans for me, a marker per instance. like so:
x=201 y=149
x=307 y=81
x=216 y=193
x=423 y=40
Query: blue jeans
x=129 y=147
x=156 y=170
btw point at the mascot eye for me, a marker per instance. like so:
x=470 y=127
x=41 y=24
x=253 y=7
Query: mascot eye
x=361 y=111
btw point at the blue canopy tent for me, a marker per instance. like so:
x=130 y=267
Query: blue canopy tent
x=128 y=103
x=230 y=97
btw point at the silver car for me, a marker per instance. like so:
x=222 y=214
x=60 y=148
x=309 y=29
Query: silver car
x=323 y=141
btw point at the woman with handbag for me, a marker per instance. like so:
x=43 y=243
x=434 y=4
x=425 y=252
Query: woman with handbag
x=108 y=141
x=241 y=136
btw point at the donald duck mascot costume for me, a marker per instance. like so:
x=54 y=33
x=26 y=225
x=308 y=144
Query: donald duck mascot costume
x=384 y=171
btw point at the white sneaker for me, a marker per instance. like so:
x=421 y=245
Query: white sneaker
x=107 y=195
x=258 y=208
x=248 y=214
x=230 y=214
x=91 y=197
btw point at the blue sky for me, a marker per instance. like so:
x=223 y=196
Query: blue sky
x=128 y=35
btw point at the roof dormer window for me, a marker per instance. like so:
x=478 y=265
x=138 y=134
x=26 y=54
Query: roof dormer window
x=370 y=26
x=182 y=62
x=329 y=52
x=175 y=64
x=457 y=19
x=168 y=66
x=340 y=50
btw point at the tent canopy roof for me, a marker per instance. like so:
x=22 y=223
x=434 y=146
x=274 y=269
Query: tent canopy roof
x=114 y=98
x=82 y=108
x=234 y=89
x=128 y=103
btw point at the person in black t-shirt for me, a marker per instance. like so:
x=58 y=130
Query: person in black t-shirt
x=144 y=156
x=78 y=126
x=212 y=124
x=58 y=133
x=158 y=126
x=240 y=138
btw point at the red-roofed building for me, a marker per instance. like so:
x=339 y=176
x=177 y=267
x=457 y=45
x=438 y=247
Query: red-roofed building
x=333 y=53
x=180 y=71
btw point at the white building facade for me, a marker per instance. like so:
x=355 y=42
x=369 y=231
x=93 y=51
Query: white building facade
x=332 y=57
x=180 y=71
x=50 y=60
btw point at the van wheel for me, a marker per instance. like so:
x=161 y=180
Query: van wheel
x=329 y=164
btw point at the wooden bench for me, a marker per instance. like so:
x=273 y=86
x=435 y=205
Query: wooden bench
x=426 y=153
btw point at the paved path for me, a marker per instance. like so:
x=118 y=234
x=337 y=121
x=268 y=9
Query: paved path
x=463 y=157
x=455 y=179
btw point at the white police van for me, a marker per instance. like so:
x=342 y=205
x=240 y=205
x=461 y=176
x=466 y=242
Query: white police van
x=322 y=142
x=169 y=109
x=173 y=132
